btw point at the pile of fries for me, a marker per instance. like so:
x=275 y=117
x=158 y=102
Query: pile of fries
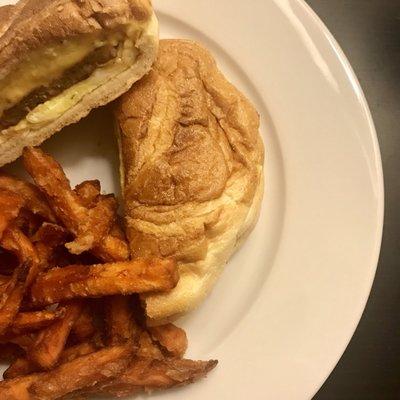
x=71 y=323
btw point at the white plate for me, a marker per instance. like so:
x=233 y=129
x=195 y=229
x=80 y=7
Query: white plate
x=289 y=301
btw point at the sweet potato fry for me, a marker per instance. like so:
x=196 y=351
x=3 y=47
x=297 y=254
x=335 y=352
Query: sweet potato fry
x=9 y=352
x=88 y=191
x=28 y=222
x=32 y=321
x=171 y=338
x=50 y=178
x=10 y=206
x=114 y=247
x=100 y=219
x=22 y=366
x=89 y=226
x=78 y=350
x=19 y=275
x=8 y=262
x=10 y=308
x=15 y=241
x=51 y=234
x=111 y=249
x=136 y=276
x=84 y=327
x=4 y=279
x=70 y=209
x=17 y=389
x=121 y=325
x=81 y=372
x=50 y=342
x=147 y=374
x=117 y=232
x=147 y=348
x=24 y=342
x=44 y=367
x=47 y=238
x=11 y=297
x=34 y=199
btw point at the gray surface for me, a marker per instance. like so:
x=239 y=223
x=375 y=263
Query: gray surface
x=369 y=33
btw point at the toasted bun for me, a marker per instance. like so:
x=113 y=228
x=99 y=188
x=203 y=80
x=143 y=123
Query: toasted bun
x=191 y=169
x=32 y=25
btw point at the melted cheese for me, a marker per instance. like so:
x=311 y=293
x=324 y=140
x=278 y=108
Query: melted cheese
x=55 y=107
x=41 y=68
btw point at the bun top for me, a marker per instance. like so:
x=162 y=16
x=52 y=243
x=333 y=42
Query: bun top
x=188 y=139
x=191 y=169
x=32 y=24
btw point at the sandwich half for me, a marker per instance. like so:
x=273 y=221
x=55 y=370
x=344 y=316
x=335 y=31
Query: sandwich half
x=61 y=58
x=191 y=171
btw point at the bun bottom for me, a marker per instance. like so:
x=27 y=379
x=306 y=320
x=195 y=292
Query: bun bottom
x=193 y=289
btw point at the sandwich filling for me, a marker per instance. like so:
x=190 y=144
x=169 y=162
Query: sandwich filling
x=73 y=75
x=50 y=81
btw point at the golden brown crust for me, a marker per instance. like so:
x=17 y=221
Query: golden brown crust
x=7 y=14
x=31 y=24
x=145 y=374
x=192 y=163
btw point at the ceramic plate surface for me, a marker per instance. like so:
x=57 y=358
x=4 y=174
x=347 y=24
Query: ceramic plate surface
x=289 y=301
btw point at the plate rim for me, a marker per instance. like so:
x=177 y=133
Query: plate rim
x=352 y=76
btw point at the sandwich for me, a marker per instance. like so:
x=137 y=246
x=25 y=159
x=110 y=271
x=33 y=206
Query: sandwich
x=59 y=59
x=191 y=171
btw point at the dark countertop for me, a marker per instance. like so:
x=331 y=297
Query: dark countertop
x=369 y=33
